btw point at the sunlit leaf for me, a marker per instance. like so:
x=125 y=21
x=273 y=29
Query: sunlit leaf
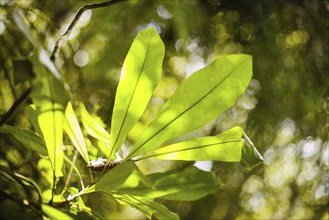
x=139 y=77
x=26 y=137
x=94 y=128
x=201 y=98
x=53 y=213
x=73 y=130
x=226 y=146
x=187 y=185
x=113 y=178
x=150 y=208
x=50 y=99
x=232 y=145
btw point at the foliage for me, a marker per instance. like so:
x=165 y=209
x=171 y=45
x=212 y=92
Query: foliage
x=284 y=111
x=199 y=100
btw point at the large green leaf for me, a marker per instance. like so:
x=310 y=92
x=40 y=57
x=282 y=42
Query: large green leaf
x=50 y=99
x=73 y=130
x=187 y=185
x=26 y=137
x=226 y=146
x=201 y=98
x=94 y=129
x=150 y=208
x=140 y=74
x=232 y=145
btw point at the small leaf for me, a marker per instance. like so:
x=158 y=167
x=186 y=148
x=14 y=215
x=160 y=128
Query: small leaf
x=250 y=156
x=23 y=70
x=140 y=74
x=226 y=146
x=187 y=185
x=73 y=130
x=201 y=98
x=26 y=137
x=53 y=213
x=150 y=208
x=94 y=129
x=33 y=116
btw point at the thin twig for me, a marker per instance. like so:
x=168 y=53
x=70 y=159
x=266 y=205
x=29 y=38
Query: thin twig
x=67 y=33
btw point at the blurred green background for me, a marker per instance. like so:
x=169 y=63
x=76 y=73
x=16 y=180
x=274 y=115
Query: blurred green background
x=285 y=110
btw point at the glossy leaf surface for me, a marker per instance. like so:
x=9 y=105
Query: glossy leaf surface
x=201 y=98
x=73 y=130
x=139 y=76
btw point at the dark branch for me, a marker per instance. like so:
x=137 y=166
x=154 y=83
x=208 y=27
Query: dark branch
x=15 y=106
x=62 y=38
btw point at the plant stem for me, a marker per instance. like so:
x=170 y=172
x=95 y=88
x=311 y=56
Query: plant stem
x=62 y=38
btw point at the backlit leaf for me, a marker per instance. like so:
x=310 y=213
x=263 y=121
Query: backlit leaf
x=201 y=98
x=50 y=99
x=227 y=146
x=73 y=130
x=232 y=145
x=139 y=77
x=94 y=129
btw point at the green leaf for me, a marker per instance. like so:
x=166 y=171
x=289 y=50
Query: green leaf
x=53 y=213
x=232 y=145
x=73 y=130
x=26 y=137
x=23 y=70
x=33 y=116
x=201 y=98
x=148 y=207
x=140 y=74
x=94 y=129
x=226 y=146
x=50 y=99
x=113 y=178
x=187 y=185
x=250 y=156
